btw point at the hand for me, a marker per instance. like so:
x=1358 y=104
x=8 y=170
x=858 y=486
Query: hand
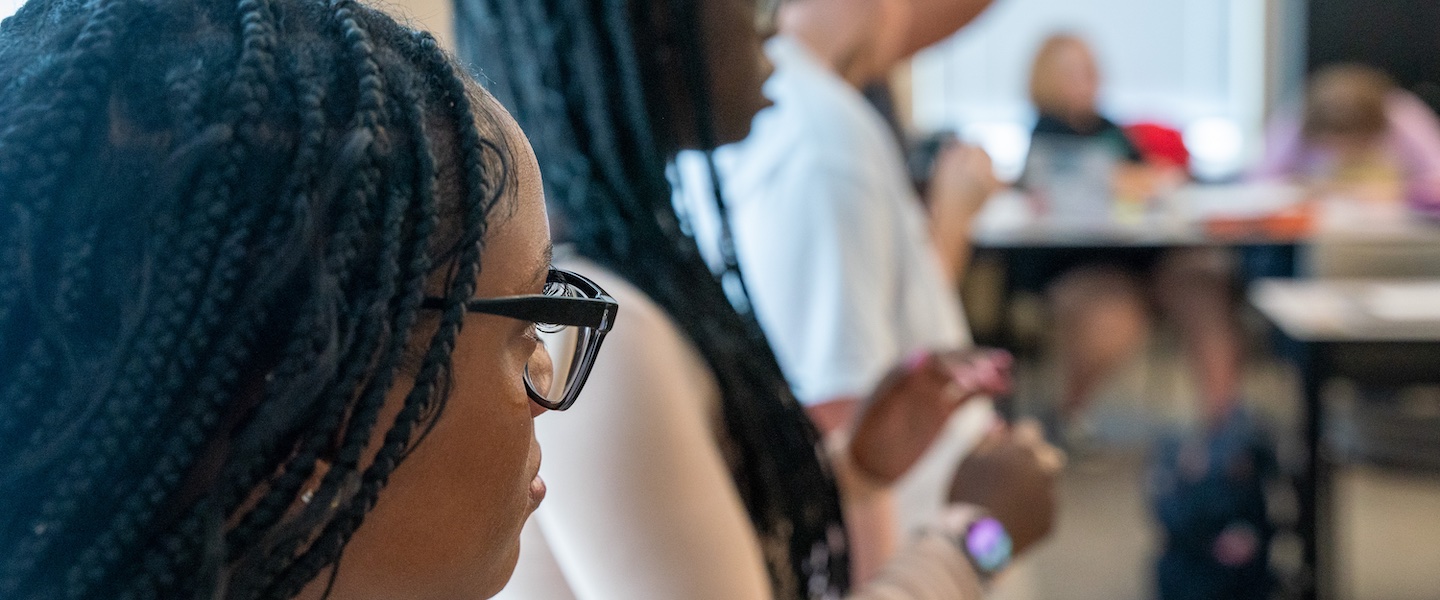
x=910 y=407
x=962 y=179
x=1012 y=474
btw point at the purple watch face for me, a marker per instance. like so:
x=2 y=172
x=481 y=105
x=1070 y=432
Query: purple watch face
x=988 y=544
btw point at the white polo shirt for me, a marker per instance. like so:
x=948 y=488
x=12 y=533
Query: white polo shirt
x=829 y=233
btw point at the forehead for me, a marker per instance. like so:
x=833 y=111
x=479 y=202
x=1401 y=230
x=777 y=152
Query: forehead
x=507 y=146
x=524 y=166
x=518 y=236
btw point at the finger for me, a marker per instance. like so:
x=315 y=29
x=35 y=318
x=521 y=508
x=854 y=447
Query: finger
x=921 y=373
x=952 y=394
x=1002 y=359
x=970 y=374
x=1052 y=460
x=918 y=360
x=997 y=379
x=1029 y=432
x=994 y=384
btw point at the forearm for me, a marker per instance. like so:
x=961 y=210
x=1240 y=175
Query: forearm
x=929 y=568
x=951 y=240
x=869 y=508
x=958 y=262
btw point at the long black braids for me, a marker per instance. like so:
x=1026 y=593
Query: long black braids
x=218 y=220
x=580 y=78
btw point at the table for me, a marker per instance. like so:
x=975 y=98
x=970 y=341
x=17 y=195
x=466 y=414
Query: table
x=1379 y=332
x=1010 y=222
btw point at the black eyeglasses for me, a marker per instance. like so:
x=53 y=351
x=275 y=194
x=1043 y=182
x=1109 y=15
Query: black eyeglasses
x=572 y=318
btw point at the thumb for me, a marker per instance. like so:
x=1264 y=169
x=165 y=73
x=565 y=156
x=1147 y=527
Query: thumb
x=998 y=434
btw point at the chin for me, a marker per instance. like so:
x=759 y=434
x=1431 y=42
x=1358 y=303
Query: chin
x=497 y=574
x=732 y=127
x=504 y=568
x=501 y=574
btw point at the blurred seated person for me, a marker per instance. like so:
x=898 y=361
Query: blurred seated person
x=1358 y=136
x=1064 y=86
x=1102 y=299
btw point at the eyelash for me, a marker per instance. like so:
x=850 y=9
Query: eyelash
x=533 y=329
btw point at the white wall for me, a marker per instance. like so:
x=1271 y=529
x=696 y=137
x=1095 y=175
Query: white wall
x=8 y=7
x=1199 y=65
x=437 y=16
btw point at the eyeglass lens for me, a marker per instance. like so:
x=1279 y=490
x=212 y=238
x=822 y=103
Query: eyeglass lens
x=557 y=369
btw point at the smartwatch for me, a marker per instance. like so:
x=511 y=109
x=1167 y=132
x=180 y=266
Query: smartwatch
x=988 y=546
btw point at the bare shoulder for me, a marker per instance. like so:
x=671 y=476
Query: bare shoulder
x=646 y=356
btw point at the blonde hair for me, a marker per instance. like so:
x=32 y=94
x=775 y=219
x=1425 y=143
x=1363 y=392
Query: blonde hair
x=1347 y=100
x=1044 y=72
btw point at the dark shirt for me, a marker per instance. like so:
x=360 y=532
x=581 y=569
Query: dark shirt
x=1103 y=129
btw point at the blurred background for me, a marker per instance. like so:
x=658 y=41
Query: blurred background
x=1337 y=300
x=1219 y=71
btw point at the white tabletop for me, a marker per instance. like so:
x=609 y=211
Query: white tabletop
x=1352 y=310
x=1011 y=220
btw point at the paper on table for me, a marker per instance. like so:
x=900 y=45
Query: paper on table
x=1006 y=210
x=1305 y=307
x=1411 y=302
x=1245 y=200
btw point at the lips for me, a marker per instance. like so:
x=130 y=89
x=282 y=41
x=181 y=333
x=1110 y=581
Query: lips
x=537 y=492
x=537 y=485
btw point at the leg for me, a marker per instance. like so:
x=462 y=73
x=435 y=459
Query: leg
x=1193 y=289
x=1100 y=321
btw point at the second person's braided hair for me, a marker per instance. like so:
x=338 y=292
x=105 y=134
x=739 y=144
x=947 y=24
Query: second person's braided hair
x=581 y=79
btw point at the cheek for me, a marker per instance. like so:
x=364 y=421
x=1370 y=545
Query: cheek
x=482 y=447
x=737 y=68
x=449 y=522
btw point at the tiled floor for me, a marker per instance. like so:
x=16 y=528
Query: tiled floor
x=1388 y=522
x=1388 y=546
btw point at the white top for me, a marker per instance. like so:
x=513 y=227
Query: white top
x=641 y=505
x=829 y=233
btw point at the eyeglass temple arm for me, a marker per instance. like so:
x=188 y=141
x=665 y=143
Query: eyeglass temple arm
x=597 y=313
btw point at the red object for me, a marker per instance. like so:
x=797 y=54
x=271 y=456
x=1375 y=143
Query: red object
x=1294 y=223
x=1160 y=145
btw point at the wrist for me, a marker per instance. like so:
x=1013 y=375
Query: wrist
x=979 y=537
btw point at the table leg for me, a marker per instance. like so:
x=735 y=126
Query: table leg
x=1005 y=330
x=1316 y=524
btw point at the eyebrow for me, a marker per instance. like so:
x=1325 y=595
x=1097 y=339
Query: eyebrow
x=543 y=273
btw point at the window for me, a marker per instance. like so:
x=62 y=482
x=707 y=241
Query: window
x=1196 y=65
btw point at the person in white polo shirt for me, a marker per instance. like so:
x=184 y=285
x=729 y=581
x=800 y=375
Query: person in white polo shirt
x=847 y=272
x=850 y=273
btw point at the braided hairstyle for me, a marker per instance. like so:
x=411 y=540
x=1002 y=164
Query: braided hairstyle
x=580 y=78
x=218 y=220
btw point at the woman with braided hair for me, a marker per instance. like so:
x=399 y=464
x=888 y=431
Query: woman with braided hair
x=698 y=475
x=257 y=255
